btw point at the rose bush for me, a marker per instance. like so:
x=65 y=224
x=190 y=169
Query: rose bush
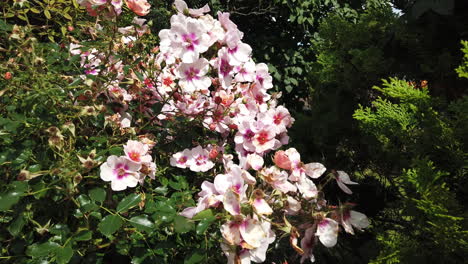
x=189 y=102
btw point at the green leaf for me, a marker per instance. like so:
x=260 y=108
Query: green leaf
x=64 y=254
x=97 y=194
x=7 y=200
x=84 y=235
x=165 y=211
x=47 y=13
x=67 y=16
x=42 y=250
x=196 y=257
x=34 y=168
x=77 y=81
x=203 y=225
x=182 y=224
x=86 y=204
x=110 y=224
x=142 y=223
x=17 y=225
x=208 y=213
x=60 y=229
x=161 y=190
x=115 y=151
x=128 y=202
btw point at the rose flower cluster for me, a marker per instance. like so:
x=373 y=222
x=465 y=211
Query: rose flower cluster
x=202 y=71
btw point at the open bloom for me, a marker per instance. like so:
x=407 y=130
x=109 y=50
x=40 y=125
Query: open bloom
x=186 y=39
x=327 y=231
x=121 y=172
x=193 y=76
x=351 y=218
x=252 y=235
x=137 y=152
x=200 y=160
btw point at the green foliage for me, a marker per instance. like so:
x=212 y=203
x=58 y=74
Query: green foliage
x=462 y=70
x=425 y=222
x=49 y=18
x=53 y=208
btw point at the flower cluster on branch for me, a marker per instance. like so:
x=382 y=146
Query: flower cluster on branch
x=203 y=73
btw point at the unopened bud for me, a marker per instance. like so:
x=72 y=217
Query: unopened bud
x=7 y=75
x=212 y=126
x=213 y=153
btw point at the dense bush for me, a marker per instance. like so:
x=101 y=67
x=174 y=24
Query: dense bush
x=79 y=92
x=108 y=104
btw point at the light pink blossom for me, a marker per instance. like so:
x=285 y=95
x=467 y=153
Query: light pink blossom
x=121 y=172
x=193 y=76
x=350 y=218
x=137 y=152
x=327 y=231
x=200 y=160
x=342 y=178
x=182 y=7
x=180 y=159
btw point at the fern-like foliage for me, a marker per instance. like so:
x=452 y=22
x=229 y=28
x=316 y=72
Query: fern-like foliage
x=421 y=151
x=462 y=70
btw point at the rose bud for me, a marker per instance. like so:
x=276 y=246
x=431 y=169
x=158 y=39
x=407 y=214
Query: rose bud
x=282 y=160
x=7 y=75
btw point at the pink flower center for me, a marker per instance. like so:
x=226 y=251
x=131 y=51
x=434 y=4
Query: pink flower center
x=149 y=82
x=191 y=40
x=192 y=73
x=121 y=173
x=236 y=188
x=260 y=79
x=323 y=223
x=182 y=160
x=233 y=50
x=277 y=119
x=262 y=137
x=200 y=160
x=225 y=68
x=249 y=134
x=167 y=81
x=259 y=99
x=135 y=156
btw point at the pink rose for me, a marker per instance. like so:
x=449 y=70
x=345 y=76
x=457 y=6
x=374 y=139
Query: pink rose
x=139 y=7
x=281 y=160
